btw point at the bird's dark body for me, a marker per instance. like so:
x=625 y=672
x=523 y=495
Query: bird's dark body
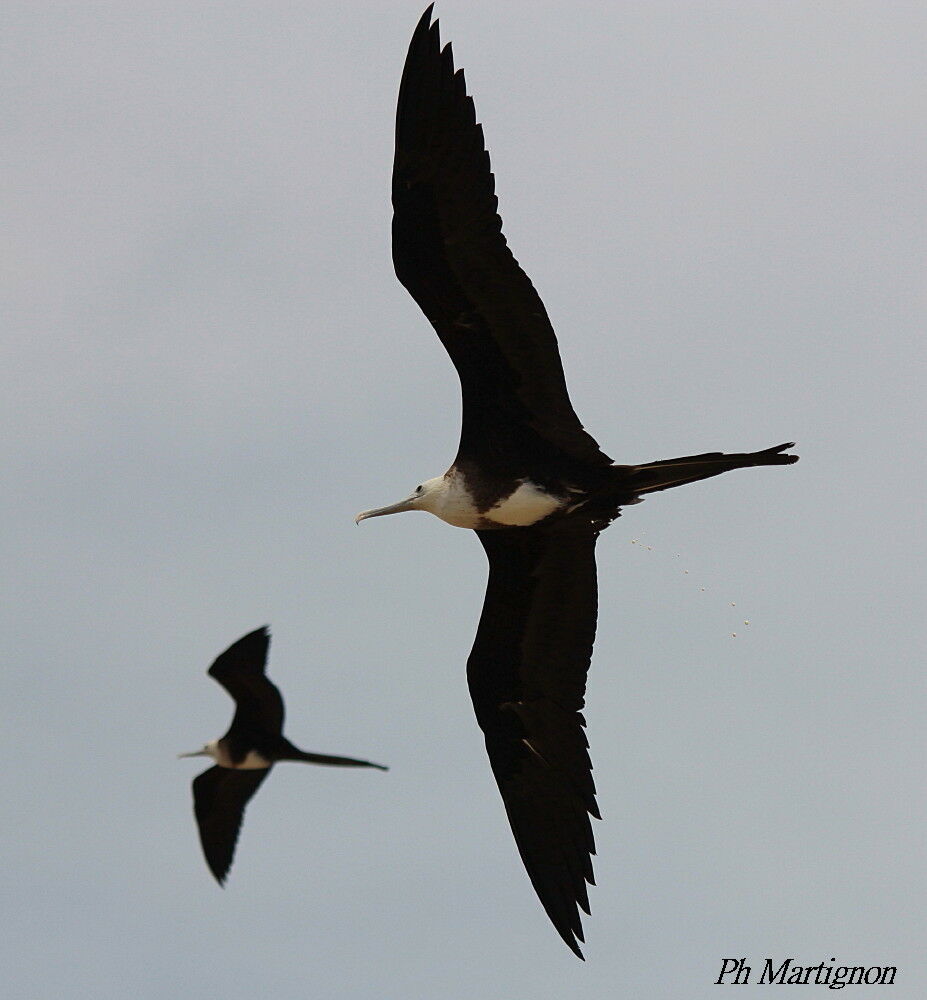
x=595 y=494
x=527 y=669
x=272 y=748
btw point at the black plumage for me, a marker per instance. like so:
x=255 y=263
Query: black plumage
x=245 y=755
x=519 y=432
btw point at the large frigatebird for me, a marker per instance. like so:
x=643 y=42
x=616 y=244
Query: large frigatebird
x=528 y=478
x=247 y=752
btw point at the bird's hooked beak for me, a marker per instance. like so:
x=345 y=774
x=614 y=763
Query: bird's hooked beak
x=410 y=503
x=194 y=753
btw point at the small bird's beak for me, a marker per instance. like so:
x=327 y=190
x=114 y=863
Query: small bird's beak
x=195 y=753
x=408 y=504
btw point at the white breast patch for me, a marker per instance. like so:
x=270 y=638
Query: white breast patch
x=252 y=762
x=527 y=505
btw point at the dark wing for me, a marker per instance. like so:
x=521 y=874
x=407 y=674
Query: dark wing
x=527 y=676
x=219 y=799
x=240 y=670
x=449 y=252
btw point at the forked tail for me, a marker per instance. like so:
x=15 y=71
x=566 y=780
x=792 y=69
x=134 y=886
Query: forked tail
x=655 y=476
x=287 y=751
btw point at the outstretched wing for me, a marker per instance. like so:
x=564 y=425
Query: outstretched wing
x=527 y=676
x=240 y=670
x=219 y=799
x=449 y=252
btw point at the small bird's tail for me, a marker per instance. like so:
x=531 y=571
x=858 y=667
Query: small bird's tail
x=290 y=752
x=655 y=476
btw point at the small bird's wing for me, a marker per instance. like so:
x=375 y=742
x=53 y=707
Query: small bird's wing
x=449 y=252
x=219 y=799
x=240 y=670
x=527 y=677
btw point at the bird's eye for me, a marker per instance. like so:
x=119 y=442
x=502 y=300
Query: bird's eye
x=419 y=488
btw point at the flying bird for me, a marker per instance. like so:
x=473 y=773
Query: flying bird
x=247 y=752
x=532 y=483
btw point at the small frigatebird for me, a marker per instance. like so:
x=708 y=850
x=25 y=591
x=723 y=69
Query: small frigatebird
x=527 y=477
x=247 y=752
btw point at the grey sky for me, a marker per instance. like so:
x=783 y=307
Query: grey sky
x=209 y=368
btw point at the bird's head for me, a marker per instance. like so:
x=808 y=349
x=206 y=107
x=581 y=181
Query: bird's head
x=210 y=750
x=428 y=495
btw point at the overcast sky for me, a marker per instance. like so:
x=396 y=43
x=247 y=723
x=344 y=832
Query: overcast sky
x=208 y=367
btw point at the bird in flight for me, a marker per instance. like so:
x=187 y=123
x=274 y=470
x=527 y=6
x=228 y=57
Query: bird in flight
x=247 y=752
x=532 y=483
